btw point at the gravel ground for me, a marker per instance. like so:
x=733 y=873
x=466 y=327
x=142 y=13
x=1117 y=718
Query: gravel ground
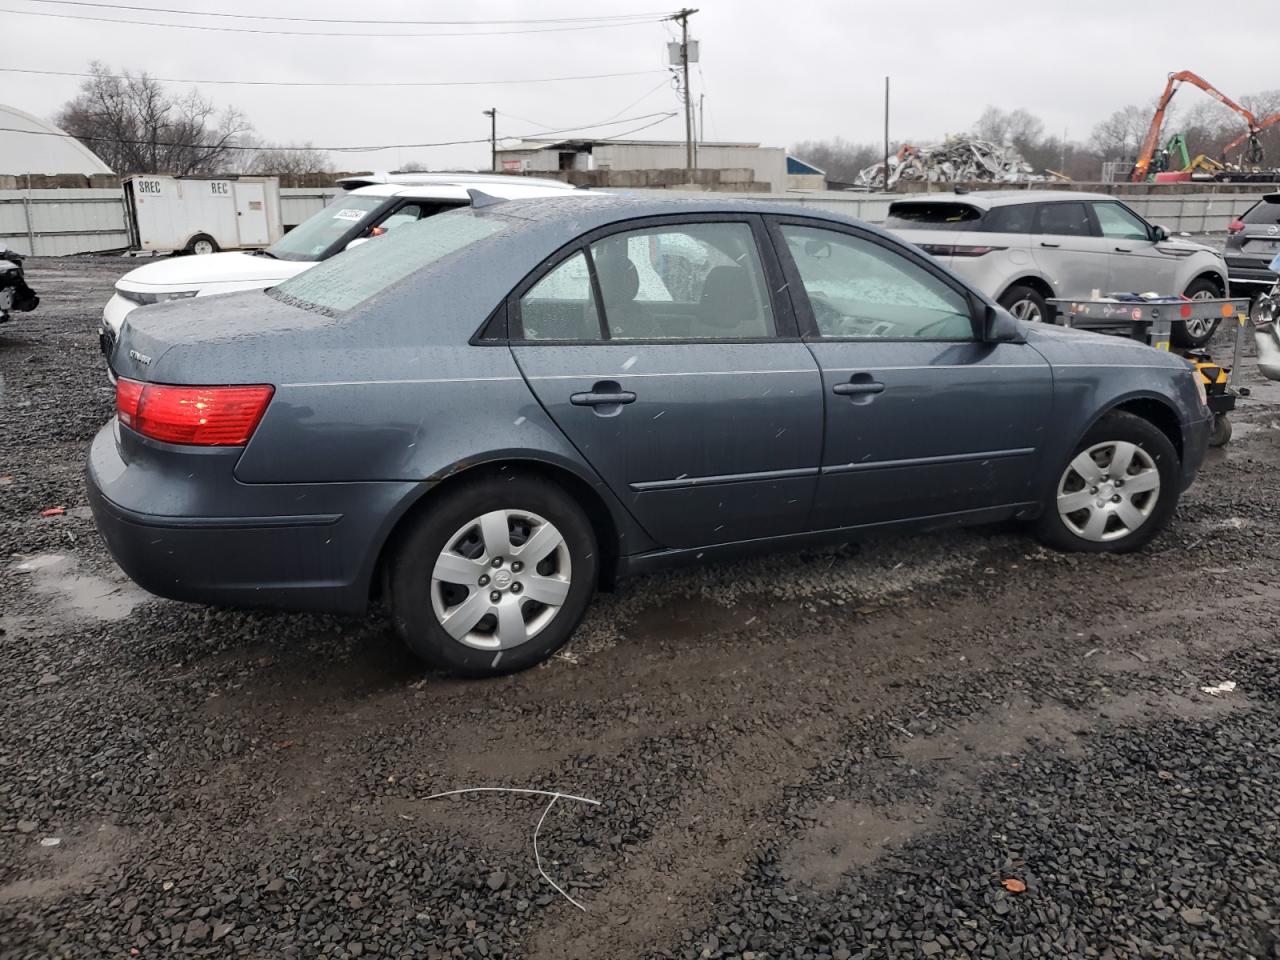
x=948 y=746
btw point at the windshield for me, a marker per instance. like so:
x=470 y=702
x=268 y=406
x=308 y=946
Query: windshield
x=933 y=216
x=352 y=277
x=310 y=239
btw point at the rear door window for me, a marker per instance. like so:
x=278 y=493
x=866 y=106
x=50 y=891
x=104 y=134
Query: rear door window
x=1014 y=218
x=916 y=215
x=1118 y=223
x=697 y=281
x=1069 y=219
x=561 y=306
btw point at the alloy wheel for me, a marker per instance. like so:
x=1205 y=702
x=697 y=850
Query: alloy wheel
x=1108 y=491
x=501 y=579
x=1200 y=326
x=1026 y=309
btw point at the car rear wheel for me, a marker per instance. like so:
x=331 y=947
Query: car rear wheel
x=1116 y=492
x=494 y=577
x=1025 y=303
x=1196 y=333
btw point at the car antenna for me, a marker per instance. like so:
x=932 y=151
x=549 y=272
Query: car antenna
x=481 y=199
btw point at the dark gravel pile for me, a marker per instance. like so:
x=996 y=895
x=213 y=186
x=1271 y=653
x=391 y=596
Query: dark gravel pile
x=832 y=754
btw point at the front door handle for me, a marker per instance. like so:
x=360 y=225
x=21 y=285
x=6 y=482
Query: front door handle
x=857 y=389
x=1124 y=249
x=1044 y=244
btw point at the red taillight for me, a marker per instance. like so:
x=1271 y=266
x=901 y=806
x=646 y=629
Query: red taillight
x=199 y=416
x=1235 y=226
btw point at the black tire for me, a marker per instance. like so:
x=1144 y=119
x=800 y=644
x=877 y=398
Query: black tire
x=1036 y=309
x=1222 y=430
x=411 y=587
x=202 y=243
x=1182 y=337
x=1052 y=528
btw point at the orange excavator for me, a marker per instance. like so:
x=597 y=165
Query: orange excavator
x=1142 y=166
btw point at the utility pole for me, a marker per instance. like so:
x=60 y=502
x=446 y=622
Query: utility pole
x=683 y=18
x=492 y=114
x=886 y=134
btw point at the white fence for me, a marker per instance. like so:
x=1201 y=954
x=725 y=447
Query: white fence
x=54 y=223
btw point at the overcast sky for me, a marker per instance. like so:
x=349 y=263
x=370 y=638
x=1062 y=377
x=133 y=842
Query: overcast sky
x=771 y=72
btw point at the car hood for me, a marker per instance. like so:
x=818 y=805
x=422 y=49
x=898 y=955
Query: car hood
x=1065 y=345
x=1182 y=243
x=192 y=273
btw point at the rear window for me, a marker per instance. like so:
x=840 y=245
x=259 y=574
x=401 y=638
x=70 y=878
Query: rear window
x=933 y=216
x=1264 y=213
x=355 y=275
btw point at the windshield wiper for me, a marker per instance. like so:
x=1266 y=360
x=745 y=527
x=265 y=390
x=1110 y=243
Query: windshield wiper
x=265 y=253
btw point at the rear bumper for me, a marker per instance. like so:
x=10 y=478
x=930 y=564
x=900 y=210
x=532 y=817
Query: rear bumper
x=222 y=542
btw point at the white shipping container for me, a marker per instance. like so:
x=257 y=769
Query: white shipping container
x=202 y=214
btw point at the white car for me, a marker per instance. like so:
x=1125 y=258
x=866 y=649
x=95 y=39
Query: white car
x=352 y=218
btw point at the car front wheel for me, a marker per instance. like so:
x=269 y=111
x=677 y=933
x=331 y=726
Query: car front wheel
x=494 y=576
x=1116 y=492
x=1196 y=333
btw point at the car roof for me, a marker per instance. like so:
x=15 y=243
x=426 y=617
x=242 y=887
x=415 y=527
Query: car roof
x=457 y=189
x=588 y=210
x=458 y=177
x=986 y=199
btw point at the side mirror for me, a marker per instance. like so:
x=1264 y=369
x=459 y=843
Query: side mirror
x=998 y=326
x=1161 y=233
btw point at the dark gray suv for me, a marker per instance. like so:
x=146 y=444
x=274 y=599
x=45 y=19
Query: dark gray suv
x=1253 y=241
x=487 y=415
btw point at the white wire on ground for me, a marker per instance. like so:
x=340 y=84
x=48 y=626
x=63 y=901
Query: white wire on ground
x=537 y=856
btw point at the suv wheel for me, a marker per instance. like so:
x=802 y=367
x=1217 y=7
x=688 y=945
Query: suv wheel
x=1025 y=303
x=1117 y=491
x=1196 y=333
x=494 y=577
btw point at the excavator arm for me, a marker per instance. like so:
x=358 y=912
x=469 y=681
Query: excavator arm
x=1254 y=154
x=1142 y=165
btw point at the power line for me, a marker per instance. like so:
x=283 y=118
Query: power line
x=346 y=149
x=319 y=33
x=326 y=83
x=419 y=23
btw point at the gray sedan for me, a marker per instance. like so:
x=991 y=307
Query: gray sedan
x=488 y=415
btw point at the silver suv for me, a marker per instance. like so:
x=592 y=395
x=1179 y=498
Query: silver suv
x=1025 y=246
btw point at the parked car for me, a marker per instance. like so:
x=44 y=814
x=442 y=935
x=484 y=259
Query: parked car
x=1252 y=243
x=1024 y=247
x=352 y=218
x=14 y=292
x=487 y=415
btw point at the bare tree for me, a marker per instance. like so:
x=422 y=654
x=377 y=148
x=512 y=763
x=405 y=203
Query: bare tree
x=285 y=159
x=412 y=166
x=1017 y=127
x=1119 y=136
x=841 y=159
x=136 y=127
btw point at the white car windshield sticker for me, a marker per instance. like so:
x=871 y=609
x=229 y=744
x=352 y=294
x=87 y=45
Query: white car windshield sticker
x=348 y=215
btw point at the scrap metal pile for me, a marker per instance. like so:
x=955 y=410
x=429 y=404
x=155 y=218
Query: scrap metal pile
x=956 y=159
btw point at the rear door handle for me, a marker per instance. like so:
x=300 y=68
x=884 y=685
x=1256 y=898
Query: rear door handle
x=1043 y=244
x=855 y=389
x=1124 y=249
x=604 y=393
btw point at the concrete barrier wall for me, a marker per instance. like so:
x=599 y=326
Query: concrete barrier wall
x=58 y=222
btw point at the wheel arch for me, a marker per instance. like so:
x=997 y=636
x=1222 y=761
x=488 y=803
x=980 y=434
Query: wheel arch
x=1214 y=276
x=1153 y=408
x=1036 y=282
x=606 y=524
x=201 y=235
